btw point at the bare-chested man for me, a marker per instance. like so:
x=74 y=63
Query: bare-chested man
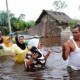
x=71 y=49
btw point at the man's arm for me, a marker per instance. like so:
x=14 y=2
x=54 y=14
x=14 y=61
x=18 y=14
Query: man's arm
x=65 y=50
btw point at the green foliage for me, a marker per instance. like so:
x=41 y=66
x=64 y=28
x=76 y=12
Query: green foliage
x=4 y=30
x=21 y=25
x=21 y=16
x=30 y=24
x=4 y=22
x=17 y=23
x=72 y=23
x=59 y=5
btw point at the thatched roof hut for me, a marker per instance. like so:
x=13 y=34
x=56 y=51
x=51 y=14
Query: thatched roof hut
x=49 y=25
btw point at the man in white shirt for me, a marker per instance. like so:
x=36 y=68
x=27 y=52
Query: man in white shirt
x=71 y=49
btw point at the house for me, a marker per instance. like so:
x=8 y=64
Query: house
x=49 y=26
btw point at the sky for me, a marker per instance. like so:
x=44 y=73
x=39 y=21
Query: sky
x=33 y=8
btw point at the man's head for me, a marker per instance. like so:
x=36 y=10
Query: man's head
x=76 y=32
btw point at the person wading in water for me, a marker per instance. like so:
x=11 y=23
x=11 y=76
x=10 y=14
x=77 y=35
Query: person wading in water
x=71 y=49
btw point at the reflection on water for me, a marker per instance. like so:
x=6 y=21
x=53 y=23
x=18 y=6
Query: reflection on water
x=55 y=69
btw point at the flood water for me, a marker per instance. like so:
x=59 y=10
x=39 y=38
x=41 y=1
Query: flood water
x=55 y=68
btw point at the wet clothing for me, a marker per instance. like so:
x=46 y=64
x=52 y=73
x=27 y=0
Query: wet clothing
x=6 y=45
x=19 y=53
x=73 y=74
x=74 y=58
x=40 y=61
x=37 y=63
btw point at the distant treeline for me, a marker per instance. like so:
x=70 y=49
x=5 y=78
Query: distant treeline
x=17 y=23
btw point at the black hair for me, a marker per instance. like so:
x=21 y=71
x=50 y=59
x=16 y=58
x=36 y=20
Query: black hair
x=77 y=26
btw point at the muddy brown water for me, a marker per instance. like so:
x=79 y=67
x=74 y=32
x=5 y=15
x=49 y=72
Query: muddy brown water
x=55 y=68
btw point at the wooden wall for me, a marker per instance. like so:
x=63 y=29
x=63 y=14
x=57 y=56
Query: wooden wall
x=51 y=41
